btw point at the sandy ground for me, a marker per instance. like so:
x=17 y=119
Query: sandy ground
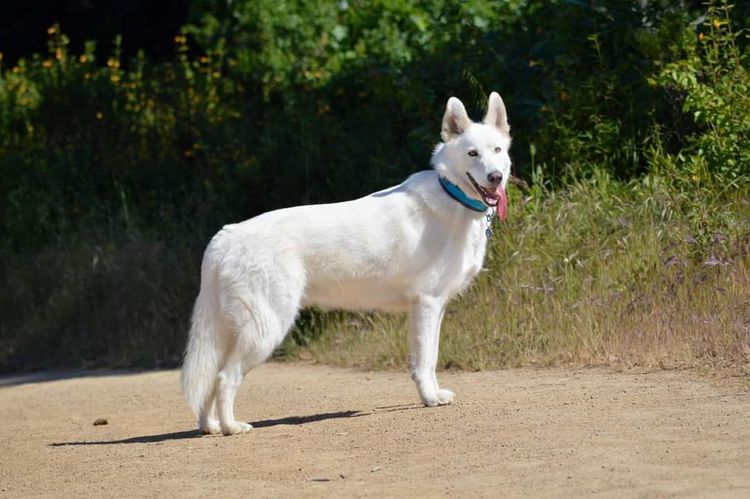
x=323 y=431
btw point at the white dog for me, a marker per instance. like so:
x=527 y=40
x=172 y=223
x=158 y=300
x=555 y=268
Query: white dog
x=411 y=248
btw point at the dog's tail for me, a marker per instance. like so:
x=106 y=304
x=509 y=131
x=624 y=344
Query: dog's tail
x=204 y=350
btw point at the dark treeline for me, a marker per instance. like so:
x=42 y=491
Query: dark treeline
x=143 y=24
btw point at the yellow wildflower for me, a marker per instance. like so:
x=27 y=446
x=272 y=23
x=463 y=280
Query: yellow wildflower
x=52 y=30
x=46 y=63
x=58 y=54
x=115 y=78
x=83 y=59
x=717 y=23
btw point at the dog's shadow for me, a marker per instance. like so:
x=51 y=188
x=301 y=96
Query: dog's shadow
x=182 y=435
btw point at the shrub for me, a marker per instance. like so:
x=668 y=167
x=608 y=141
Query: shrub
x=713 y=84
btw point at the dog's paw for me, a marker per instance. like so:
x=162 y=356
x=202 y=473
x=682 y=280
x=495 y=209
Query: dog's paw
x=439 y=397
x=235 y=428
x=211 y=427
x=445 y=397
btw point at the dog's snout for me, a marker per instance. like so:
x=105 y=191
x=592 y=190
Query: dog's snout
x=495 y=178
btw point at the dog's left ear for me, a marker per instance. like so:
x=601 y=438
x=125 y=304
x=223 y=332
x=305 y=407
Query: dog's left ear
x=496 y=114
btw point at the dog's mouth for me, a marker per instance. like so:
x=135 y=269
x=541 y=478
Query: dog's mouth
x=490 y=198
x=493 y=198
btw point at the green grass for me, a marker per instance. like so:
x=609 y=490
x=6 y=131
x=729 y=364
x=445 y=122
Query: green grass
x=600 y=273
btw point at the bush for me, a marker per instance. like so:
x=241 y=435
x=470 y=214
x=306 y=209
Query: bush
x=713 y=84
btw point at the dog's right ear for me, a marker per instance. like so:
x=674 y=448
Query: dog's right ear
x=455 y=120
x=496 y=114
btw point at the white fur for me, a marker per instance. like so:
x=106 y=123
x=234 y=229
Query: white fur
x=407 y=248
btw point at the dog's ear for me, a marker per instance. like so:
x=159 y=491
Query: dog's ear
x=496 y=114
x=455 y=120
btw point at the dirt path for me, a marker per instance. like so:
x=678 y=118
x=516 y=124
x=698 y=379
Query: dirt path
x=323 y=431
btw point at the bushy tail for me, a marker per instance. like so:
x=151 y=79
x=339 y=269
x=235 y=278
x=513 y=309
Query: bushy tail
x=203 y=353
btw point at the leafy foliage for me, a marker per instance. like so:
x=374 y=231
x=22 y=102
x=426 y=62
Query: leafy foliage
x=713 y=83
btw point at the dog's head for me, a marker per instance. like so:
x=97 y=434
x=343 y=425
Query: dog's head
x=474 y=156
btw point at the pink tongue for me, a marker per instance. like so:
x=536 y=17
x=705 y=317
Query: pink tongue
x=502 y=203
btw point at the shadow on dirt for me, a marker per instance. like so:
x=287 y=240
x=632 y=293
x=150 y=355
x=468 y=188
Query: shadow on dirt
x=46 y=376
x=182 y=435
x=300 y=420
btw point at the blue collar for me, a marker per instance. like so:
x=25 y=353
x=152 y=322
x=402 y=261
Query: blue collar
x=456 y=193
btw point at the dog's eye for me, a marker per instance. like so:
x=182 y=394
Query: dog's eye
x=473 y=153
x=498 y=149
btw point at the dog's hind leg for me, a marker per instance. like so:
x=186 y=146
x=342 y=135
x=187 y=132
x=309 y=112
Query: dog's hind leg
x=255 y=343
x=246 y=352
x=425 y=318
x=208 y=419
x=230 y=378
x=261 y=323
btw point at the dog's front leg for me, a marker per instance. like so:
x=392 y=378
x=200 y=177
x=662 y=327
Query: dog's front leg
x=425 y=317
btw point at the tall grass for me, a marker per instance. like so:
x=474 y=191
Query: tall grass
x=97 y=303
x=602 y=272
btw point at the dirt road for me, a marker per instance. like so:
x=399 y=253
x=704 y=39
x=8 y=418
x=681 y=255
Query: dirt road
x=323 y=431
